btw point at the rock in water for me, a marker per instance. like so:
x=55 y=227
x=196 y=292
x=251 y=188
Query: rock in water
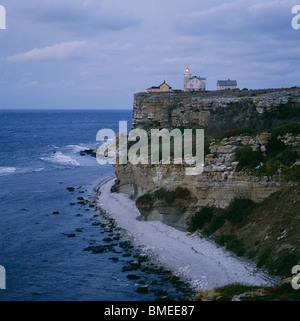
x=142 y=289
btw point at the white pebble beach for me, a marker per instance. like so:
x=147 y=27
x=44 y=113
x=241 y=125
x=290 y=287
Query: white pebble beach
x=198 y=261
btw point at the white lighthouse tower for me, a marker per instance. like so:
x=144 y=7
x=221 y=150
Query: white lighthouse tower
x=186 y=78
x=193 y=83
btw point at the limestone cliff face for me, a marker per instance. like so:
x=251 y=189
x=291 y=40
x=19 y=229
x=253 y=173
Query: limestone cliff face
x=218 y=185
x=215 y=111
x=165 y=192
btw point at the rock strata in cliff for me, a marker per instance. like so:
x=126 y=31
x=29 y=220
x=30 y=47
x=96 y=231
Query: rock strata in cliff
x=165 y=193
x=252 y=157
x=156 y=186
x=216 y=112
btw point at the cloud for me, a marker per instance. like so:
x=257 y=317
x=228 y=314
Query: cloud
x=32 y=83
x=240 y=18
x=101 y=44
x=82 y=15
x=57 y=52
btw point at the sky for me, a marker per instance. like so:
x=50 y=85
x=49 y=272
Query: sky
x=95 y=54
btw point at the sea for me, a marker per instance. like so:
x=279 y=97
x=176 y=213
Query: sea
x=54 y=244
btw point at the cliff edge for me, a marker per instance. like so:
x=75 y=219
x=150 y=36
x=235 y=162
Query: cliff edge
x=252 y=148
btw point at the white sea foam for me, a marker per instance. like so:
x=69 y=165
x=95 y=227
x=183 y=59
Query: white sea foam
x=60 y=158
x=77 y=148
x=7 y=170
x=39 y=169
x=13 y=170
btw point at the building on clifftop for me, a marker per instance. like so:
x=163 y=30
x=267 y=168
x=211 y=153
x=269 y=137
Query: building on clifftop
x=226 y=84
x=164 y=87
x=193 y=83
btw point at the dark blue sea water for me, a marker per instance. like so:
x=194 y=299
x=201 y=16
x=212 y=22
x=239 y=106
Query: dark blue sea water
x=48 y=256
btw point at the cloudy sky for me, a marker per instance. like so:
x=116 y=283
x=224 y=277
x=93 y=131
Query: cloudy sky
x=98 y=53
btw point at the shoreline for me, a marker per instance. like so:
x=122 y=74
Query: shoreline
x=197 y=261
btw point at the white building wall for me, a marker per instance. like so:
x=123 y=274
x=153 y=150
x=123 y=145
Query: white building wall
x=195 y=85
x=225 y=87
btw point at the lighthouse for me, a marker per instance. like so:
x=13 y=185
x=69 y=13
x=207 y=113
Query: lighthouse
x=193 y=83
x=186 y=78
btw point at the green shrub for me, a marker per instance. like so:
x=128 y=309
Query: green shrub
x=202 y=217
x=275 y=146
x=114 y=189
x=232 y=243
x=248 y=158
x=227 y=292
x=236 y=246
x=291 y=128
x=262 y=260
x=292 y=174
x=206 y=146
x=283 y=111
x=217 y=221
x=223 y=239
x=284 y=264
x=237 y=132
x=288 y=157
x=171 y=195
x=239 y=209
x=282 y=292
x=145 y=200
x=279 y=155
x=270 y=167
x=208 y=219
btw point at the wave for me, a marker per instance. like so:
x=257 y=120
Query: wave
x=80 y=148
x=7 y=170
x=38 y=169
x=77 y=148
x=13 y=170
x=60 y=158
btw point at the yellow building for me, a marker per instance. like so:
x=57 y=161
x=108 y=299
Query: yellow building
x=164 y=87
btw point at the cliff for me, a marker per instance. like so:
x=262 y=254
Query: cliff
x=252 y=151
x=216 y=111
x=218 y=185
